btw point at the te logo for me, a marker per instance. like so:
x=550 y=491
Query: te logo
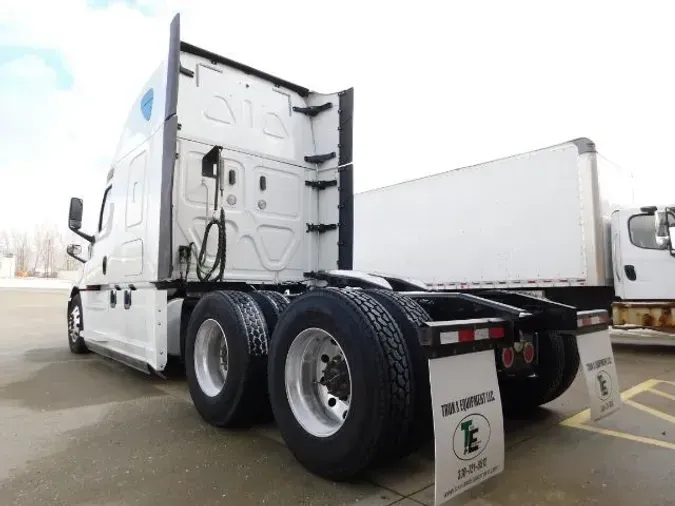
x=472 y=435
x=470 y=441
x=603 y=385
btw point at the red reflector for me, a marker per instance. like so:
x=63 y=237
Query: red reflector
x=507 y=357
x=496 y=333
x=466 y=335
x=528 y=353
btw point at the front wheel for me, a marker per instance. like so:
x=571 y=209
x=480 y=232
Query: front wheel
x=75 y=326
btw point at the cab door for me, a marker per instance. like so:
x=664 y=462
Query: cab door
x=97 y=295
x=643 y=269
x=138 y=319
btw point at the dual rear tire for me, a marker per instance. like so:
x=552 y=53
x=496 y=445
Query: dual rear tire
x=226 y=350
x=342 y=371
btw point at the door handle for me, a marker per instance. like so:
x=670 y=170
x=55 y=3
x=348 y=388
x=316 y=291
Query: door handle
x=127 y=299
x=630 y=272
x=113 y=298
x=105 y=264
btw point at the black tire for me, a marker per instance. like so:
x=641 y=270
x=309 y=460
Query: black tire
x=381 y=405
x=570 y=368
x=242 y=398
x=76 y=325
x=272 y=305
x=409 y=316
x=521 y=396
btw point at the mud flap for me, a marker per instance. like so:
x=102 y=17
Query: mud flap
x=467 y=409
x=597 y=362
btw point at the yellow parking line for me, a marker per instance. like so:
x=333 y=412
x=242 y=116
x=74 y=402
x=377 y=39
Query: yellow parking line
x=585 y=415
x=579 y=420
x=652 y=411
x=630 y=437
x=662 y=394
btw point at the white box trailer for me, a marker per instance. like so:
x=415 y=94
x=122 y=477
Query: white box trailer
x=535 y=220
x=561 y=221
x=224 y=245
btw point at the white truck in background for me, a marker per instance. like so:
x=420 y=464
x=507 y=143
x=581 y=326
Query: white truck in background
x=561 y=221
x=225 y=245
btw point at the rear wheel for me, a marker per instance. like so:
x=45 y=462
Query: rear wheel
x=272 y=305
x=521 y=396
x=75 y=326
x=409 y=316
x=225 y=358
x=339 y=381
x=570 y=367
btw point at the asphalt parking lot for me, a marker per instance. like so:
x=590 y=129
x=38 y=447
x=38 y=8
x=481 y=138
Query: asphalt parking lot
x=83 y=430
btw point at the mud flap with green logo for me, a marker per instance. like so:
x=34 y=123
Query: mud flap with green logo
x=597 y=363
x=467 y=408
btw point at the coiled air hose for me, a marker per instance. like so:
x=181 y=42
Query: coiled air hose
x=204 y=273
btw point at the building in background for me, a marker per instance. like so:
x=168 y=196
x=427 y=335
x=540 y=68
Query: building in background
x=7 y=266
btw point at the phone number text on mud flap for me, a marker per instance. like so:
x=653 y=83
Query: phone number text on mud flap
x=607 y=406
x=465 y=471
x=471 y=480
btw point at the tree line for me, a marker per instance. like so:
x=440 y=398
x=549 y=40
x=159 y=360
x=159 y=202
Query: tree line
x=41 y=251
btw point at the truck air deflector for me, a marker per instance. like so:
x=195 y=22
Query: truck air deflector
x=164 y=260
x=346 y=180
x=215 y=58
x=164 y=257
x=173 y=68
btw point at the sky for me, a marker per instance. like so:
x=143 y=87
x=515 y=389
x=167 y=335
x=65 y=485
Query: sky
x=438 y=85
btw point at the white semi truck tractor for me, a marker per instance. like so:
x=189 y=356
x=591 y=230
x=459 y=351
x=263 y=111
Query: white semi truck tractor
x=225 y=242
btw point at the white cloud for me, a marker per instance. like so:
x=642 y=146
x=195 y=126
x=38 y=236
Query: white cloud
x=58 y=143
x=28 y=72
x=438 y=85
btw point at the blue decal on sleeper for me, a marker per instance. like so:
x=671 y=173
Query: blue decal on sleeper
x=146 y=104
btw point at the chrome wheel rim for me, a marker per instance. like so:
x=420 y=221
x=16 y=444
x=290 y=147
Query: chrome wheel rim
x=74 y=320
x=318 y=382
x=210 y=357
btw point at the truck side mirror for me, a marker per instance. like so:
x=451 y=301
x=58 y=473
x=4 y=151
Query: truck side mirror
x=75 y=214
x=74 y=251
x=662 y=231
x=75 y=219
